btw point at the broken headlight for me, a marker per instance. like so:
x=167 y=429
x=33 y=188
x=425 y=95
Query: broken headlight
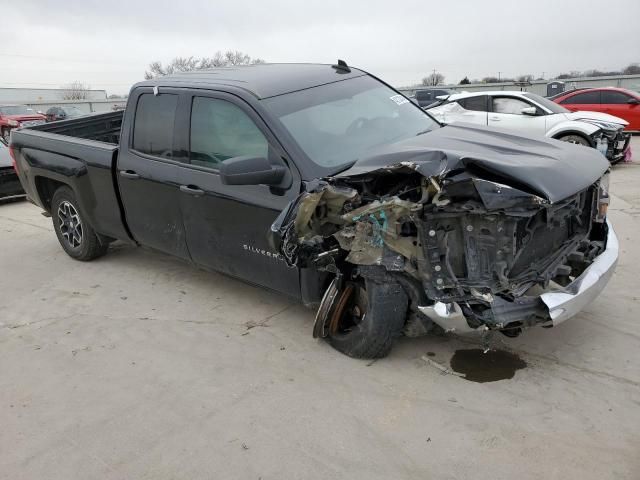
x=603 y=199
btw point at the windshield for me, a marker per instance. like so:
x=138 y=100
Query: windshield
x=339 y=123
x=17 y=110
x=546 y=103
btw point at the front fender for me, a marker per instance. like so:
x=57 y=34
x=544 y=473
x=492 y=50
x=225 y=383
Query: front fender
x=572 y=126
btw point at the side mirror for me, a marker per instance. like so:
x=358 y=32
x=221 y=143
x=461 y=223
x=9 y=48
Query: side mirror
x=633 y=101
x=531 y=111
x=251 y=171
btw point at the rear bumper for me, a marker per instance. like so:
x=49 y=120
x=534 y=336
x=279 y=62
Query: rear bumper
x=556 y=306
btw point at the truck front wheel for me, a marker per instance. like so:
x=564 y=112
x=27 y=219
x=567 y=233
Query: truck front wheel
x=75 y=235
x=368 y=317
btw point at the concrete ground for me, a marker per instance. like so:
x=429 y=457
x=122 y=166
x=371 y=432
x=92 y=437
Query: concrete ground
x=137 y=366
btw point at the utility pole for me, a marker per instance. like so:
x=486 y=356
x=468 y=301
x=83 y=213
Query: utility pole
x=499 y=76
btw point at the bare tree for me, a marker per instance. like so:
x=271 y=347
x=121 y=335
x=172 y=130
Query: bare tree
x=632 y=69
x=75 y=91
x=187 y=64
x=464 y=81
x=433 y=79
x=525 y=78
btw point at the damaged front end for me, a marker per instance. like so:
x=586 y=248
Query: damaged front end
x=473 y=250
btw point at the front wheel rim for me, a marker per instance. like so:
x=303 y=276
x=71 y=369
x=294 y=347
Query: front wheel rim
x=70 y=224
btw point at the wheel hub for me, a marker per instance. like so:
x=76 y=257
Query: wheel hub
x=70 y=224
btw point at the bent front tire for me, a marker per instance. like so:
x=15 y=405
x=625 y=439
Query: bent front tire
x=74 y=233
x=369 y=316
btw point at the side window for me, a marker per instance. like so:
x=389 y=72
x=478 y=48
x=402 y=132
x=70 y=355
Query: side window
x=582 y=98
x=220 y=130
x=509 y=105
x=476 y=104
x=153 y=124
x=612 y=97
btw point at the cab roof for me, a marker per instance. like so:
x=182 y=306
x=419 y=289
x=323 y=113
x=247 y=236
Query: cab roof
x=261 y=80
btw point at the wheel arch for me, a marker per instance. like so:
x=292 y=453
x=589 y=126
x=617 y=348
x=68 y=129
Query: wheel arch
x=588 y=138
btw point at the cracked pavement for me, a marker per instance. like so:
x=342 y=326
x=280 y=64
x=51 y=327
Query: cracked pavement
x=140 y=366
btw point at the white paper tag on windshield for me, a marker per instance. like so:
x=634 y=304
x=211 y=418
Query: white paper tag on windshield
x=399 y=99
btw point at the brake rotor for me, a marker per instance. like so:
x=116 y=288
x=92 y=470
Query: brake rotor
x=338 y=311
x=320 y=326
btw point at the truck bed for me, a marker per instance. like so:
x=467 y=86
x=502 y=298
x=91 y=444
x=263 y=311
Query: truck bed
x=82 y=154
x=102 y=127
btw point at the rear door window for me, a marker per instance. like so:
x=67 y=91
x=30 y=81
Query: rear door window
x=583 y=98
x=220 y=130
x=154 y=124
x=476 y=104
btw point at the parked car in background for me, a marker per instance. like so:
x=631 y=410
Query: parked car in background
x=329 y=186
x=14 y=116
x=427 y=96
x=9 y=183
x=530 y=113
x=620 y=102
x=63 y=112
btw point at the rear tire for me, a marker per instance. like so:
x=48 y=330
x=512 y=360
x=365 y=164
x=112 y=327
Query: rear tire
x=370 y=320
x=575 y=139
x=74 y=233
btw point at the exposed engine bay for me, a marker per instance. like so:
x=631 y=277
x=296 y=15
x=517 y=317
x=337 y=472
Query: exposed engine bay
x=465 y=239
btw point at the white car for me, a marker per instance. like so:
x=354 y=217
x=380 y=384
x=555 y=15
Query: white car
x=530 y=113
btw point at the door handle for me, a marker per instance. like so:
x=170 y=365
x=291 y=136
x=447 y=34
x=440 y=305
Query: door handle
x=129 y=174
x=191 y=190
x=494 y=119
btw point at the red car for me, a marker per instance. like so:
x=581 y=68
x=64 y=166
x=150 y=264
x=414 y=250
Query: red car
x=618 y=102
x=14 y=116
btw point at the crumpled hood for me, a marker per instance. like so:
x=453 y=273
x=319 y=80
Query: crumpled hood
x=603 y=117
x=552 y=169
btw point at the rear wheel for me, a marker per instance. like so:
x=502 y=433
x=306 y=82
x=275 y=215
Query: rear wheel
x=577 y=139
x=367 y=317
x=75 y=235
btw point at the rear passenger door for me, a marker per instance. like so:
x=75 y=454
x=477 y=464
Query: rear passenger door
x=226 y=225
x=147 y=173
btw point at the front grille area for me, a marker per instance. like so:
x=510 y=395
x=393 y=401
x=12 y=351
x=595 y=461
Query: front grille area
x=505 y=252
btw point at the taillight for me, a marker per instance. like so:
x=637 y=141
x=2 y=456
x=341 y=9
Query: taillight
x=12 y=154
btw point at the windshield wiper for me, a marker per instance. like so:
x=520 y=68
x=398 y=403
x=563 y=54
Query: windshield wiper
x=423 y=132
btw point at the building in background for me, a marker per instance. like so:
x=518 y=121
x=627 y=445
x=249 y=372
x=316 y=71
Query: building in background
x=41 y=99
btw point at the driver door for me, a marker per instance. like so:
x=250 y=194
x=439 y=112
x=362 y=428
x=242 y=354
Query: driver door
x=227 y=225
x=506 y=112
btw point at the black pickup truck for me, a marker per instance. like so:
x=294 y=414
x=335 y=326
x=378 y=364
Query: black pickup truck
x=324 y=183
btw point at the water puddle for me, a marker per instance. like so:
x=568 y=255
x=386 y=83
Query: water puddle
x=481 y=367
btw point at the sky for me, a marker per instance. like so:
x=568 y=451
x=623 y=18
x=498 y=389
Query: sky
x=108 y=44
